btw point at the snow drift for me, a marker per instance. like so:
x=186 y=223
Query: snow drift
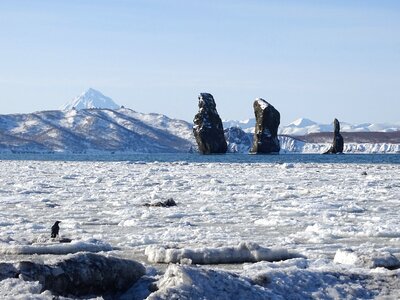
x=291 y=279
x=186 y=282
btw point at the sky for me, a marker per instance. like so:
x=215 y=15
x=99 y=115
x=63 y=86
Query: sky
x=312 y=59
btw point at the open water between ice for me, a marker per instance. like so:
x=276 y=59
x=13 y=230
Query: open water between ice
x=225 y=158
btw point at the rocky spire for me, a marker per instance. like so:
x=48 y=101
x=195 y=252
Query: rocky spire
x=337 y=144
x=208 y=129
x=266 y=129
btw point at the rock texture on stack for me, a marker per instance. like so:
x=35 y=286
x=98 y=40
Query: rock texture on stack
x=266 y=129
x=208 y=129
x=338 y=142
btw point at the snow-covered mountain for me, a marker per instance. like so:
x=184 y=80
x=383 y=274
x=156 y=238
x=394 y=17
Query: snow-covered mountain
x=246 y=125
x=93 y=122
x=303 y=126
x=91 y=98
x=88 y=130
x=238 y=140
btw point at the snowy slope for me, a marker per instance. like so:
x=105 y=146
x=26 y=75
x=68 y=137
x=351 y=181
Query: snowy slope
x=84 y=130
x=91 y=98
x=176 y=127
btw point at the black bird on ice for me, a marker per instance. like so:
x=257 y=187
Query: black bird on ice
x=55 y=229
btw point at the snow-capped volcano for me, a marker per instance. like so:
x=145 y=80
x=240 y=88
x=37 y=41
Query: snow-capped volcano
x=91 y=99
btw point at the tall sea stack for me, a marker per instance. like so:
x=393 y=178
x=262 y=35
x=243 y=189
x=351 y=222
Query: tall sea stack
x=208 y=129
x=338 y=142
x=266 y=129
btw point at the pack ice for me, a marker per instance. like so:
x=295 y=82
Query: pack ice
x=254 y=229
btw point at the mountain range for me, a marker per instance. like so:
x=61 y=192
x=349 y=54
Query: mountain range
x=93 y=122
x=303 y=126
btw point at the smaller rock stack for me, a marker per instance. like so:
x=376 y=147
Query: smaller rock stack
x=266 y=129
x=337 y=144
x=208 y=129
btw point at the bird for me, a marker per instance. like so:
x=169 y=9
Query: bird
x=55 y=229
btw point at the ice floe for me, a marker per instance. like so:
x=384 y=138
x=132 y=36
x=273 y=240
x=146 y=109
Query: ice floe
x=244 y=252
x=90 y=245
x=368 y=259
x=286 y=204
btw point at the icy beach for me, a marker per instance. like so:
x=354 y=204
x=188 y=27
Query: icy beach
x=334 y=220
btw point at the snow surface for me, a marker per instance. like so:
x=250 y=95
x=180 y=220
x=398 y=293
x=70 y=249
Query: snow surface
x=183 y=282
x=15 y=288
x=316 y=209
x=294 y=279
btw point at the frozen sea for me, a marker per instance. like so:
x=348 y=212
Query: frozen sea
x=340 y=213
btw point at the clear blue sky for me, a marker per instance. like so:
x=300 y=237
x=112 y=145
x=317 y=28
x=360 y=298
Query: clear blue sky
x=314 y=59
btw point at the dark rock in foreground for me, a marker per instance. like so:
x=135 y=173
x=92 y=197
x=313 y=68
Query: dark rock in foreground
x=338 y=142
x=83 y=274
x=208 y=129
x=7 y=270
x=167 y=203
x=266 y=129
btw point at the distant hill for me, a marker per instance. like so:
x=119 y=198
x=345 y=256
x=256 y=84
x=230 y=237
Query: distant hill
x=303 y=126
x=88 y=130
